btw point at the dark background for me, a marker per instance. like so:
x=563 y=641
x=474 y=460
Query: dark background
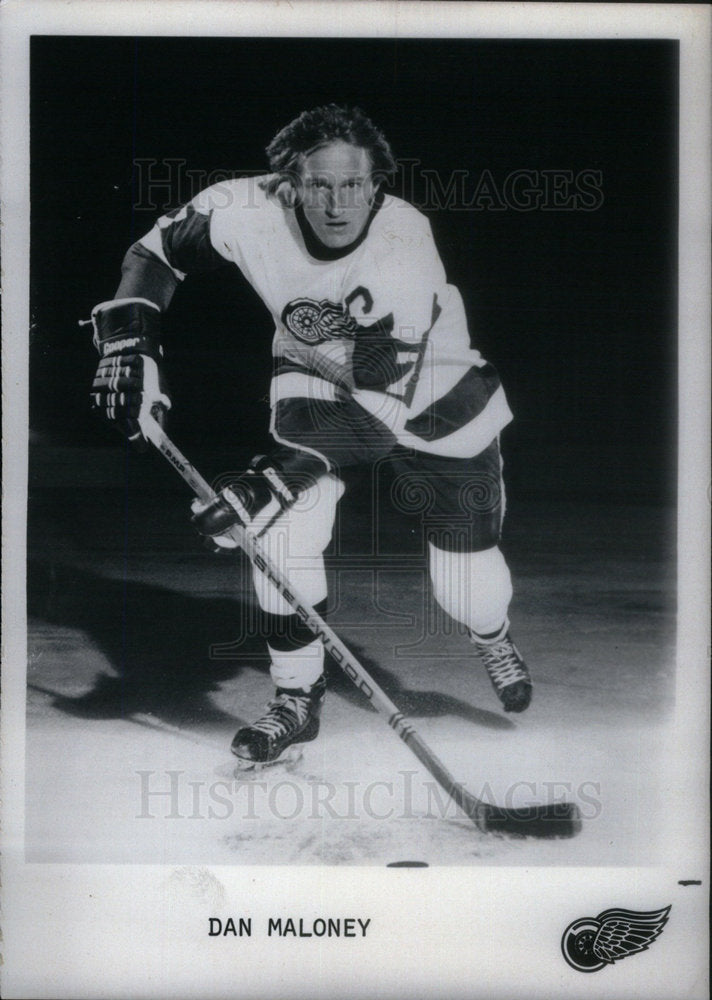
x=577 y=309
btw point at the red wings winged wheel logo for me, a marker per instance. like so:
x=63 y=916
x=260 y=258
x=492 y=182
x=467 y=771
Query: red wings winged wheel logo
x=591 y=943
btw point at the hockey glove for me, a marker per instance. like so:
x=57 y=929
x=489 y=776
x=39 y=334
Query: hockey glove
x=256 y=498
x=128 y=380
x=249 y=501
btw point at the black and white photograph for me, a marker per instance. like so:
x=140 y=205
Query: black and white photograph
x=364 y=378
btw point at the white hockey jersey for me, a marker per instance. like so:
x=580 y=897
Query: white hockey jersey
x=446 y=400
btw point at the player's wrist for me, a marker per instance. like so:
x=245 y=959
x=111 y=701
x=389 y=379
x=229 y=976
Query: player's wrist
x=122 y=325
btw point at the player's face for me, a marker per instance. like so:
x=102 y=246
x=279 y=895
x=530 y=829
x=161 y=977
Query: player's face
x=337 y=192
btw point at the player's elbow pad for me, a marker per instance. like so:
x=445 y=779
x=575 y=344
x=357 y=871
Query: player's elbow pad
x=144 y=275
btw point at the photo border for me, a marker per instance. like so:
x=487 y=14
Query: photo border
x=478 y=932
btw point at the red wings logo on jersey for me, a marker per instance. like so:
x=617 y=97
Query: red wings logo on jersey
x=313 y=322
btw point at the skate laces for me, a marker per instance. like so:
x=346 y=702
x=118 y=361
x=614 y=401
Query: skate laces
x=503 y=663
x=286 y=713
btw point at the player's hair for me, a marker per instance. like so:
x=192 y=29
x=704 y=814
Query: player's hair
x=312 y=129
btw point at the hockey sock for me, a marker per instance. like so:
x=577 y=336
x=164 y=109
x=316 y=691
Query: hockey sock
x=474 y=588
x=297 y=658
x=296 y=542
x=491 y=637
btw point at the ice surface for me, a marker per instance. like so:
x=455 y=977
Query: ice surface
x=141 y=667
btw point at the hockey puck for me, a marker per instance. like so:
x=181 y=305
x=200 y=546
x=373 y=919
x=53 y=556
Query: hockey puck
x=407 y=864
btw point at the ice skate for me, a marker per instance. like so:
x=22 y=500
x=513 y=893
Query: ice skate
x=507 y=671
x=292 y=718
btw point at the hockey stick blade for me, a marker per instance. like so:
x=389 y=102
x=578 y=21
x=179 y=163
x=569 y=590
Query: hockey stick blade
x=558 y=820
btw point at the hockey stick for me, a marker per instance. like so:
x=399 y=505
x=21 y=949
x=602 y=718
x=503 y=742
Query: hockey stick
x=560 y=819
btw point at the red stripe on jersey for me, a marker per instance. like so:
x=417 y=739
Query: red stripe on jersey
x=458 y=407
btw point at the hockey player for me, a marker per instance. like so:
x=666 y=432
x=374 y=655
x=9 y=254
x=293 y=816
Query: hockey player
x=372 y=358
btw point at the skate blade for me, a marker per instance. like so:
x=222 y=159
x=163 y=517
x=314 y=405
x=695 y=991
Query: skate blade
x=242 y=767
